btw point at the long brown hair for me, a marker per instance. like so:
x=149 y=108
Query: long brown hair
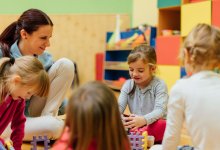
x=30 y=21
x=30 y=70
x=93 y=114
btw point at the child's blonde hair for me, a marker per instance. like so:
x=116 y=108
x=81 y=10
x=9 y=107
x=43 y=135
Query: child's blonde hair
x=203 y=45
x=143 y=52
x=30 y=70
x=93 y=115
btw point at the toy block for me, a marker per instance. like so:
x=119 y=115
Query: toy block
x=168 y=3
x=40 y=139
x=216 y=13
x=167 y=49
x=170 y=74
x=138 y=141
x=194 y=13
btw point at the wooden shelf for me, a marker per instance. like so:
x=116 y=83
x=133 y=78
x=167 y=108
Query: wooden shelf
x=114 y=84
x=114 y=65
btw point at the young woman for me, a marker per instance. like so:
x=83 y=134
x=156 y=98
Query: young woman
x=30 y=35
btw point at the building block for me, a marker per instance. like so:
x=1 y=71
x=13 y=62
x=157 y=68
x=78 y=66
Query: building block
x=194 y=13
x=170 y=74
x=216 y=13
x=167 y=49
x=168 y=3
x=138 y=140
x=99 y=60
x=40 y=139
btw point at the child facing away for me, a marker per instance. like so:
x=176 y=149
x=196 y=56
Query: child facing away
x=19 y=80
x=196 y=99
x=145 y=94
x=93 y=121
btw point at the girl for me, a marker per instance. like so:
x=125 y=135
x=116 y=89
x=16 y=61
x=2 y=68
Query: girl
x=145 y=94
x=30 y=35
x=93 y=121
x=195 y=99
x=19 y=80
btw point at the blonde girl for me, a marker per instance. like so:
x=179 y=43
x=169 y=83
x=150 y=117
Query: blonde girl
x=93 y=121
x=145 y=94
x=19 y=80
x=195 y=100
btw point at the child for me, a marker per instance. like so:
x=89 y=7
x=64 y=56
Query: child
x=93 y=121
x=30 y=35
x=145 y=94
x=20 y=79
x=195 y=99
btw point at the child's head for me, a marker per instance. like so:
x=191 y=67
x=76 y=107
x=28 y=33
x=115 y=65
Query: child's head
x=201 y=49
x=93 y=114
x=23 y=77
x=142 y=63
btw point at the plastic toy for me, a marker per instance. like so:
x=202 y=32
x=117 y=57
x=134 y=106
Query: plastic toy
x=138 y=141
x=6 y=144
x=185 y=147
x=40 y=139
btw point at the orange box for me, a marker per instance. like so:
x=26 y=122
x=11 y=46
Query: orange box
x=167 y=49
x=216 y=13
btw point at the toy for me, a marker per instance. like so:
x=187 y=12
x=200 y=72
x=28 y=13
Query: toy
x=40 y=139
x=138 y=141
x=185 y=147
x=6 y=144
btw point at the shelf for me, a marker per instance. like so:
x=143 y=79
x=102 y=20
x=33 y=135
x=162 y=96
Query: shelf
x=169 y=19
x=115 y=85
x=114 y=65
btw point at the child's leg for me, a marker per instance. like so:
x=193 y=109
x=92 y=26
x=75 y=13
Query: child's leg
x=156 y=129
x=61 y=76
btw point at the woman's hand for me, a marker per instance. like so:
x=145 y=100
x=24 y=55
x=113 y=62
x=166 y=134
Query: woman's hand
x=134 y=121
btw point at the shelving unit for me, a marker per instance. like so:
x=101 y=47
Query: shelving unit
x=115 y=61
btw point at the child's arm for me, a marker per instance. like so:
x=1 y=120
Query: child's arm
x=175 y=118
x=134 y=121
x=160 y=107
x=17 y=125
x=123 y=97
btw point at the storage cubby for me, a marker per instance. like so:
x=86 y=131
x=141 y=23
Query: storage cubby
x=194 y=13
x=169 y=19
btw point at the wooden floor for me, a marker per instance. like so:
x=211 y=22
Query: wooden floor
x=185 y=139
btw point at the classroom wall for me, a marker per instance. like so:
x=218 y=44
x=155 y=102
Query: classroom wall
x=79 y=26
x=144 y=12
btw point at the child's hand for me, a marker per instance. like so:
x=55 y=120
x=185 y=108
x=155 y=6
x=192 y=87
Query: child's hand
x=134 y=122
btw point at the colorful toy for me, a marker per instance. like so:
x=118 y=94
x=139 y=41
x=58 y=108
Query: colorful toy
x=185 y=147
x=2 y=147
x=6 y=144
x=40 y=139
x=138 y=141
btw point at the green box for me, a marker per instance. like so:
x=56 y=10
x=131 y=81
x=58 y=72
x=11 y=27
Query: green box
x=168 y=3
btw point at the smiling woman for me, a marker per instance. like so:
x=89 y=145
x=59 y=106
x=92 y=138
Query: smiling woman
x=30 y=35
